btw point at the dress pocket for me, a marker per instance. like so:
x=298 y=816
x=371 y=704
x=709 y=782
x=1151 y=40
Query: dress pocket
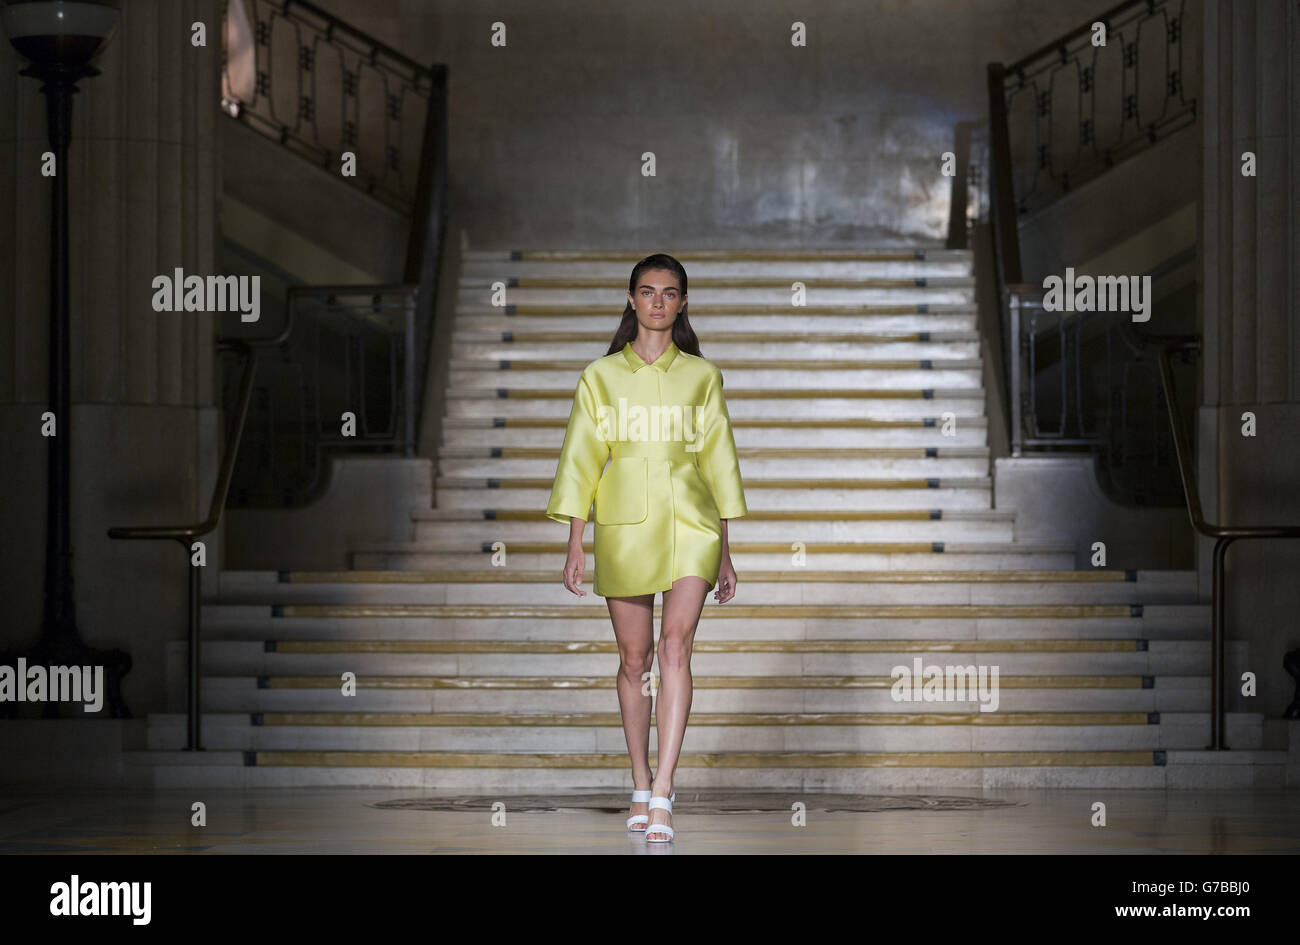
x=621 y=496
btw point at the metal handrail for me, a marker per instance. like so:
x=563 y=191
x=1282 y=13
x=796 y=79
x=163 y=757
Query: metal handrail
x=1083 y=29
x=425 y=245
x=335 y=25
x=1002 y=199
x=1005 y=205
x=325 y=306
x=1223 y=535
x=253 y=97
x=184 y=534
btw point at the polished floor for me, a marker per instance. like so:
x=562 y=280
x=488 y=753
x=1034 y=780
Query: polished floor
x=343 y=820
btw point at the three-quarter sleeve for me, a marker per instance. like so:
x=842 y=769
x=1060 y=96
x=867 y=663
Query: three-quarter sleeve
x=717 y=453
x=582 y=460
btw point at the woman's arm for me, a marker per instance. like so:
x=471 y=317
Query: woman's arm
x=717 y=454
x=727 y=581
x=582 y=460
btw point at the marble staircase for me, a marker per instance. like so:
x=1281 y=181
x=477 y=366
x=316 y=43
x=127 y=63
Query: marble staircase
x=871 y=542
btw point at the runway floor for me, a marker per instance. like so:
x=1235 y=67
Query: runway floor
x=351 y=820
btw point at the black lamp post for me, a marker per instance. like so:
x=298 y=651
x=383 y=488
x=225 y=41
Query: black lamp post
x=59 y=40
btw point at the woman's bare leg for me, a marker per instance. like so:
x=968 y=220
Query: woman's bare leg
x=633 y=619
x=681 y=615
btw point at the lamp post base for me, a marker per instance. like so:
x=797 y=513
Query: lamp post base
x=63 y=647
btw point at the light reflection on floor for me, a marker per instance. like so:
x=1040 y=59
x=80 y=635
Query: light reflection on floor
x=343 y=820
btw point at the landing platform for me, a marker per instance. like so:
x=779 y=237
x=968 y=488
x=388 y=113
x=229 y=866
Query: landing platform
x=347 y=820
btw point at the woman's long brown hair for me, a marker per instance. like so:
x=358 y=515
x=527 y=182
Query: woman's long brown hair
x=683 y=333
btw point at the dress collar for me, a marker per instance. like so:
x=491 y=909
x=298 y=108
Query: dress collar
x=663 y=362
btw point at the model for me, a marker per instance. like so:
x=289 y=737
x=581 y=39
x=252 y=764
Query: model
x=653 y=407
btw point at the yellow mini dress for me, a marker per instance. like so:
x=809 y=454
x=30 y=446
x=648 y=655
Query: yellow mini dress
x=672 y=471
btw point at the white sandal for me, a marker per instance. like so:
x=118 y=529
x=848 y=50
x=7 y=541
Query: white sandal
x=660 y=803
x=640 y=797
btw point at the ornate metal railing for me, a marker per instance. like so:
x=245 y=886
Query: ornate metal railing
x=1057 y=118
x=1074 y=109
x=345 y=380
x=321 y=88
x=1087 y=380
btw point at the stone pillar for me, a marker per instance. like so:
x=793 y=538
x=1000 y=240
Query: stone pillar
x=144 y=189
x=1250 y=298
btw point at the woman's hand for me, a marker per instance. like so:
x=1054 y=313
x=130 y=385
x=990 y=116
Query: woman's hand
x=573 y=566
x=726 y=588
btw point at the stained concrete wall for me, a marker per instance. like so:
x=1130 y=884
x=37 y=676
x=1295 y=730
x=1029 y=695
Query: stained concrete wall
x=757 y=143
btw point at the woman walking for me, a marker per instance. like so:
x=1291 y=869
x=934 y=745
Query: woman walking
x=654 y=408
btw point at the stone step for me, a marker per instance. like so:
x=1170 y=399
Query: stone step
x=939 y=462
x=474 y=283
x=865 y=397
x=1092 y=693
x=615 y=272
x=583 y=622
x=452 y=528
x=521 y=377
x=485 y=433
x=526 y=658
x=948 y=494
x=1099 y=586
x=718 y=321
x=470 y=349
x=603 y=732
x=820 y=410
x=955 y=555
x=936 y=290
x=829 y=771
x=846 y=336
x=712 y=256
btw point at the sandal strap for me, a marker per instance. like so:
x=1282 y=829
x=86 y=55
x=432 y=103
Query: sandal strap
x=640 y=797
x=661 y=803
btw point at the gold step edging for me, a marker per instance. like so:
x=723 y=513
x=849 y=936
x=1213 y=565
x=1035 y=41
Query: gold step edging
x=504 y=576
x=759 y=482
x=989 y=516
x=746 y=364
x=800 y=422
x=803 y=759
x=760 y=282
x=730 y=255
x=731 y=337
x=745 y=452
x=860 y=310
x=746 y=393
x=710 y=646
x=614 y=720
x=385 y=682
x=739 y=611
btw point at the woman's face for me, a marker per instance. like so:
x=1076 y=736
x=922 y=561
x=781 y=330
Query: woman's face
x=657 y=299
